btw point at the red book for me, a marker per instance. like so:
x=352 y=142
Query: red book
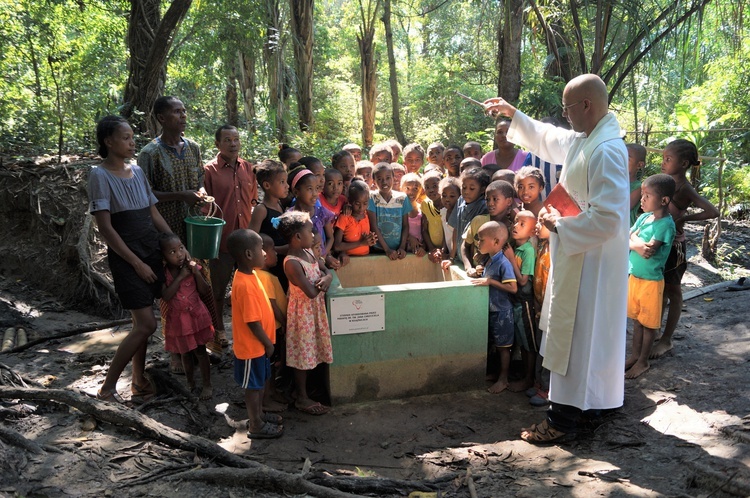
x=560 y=199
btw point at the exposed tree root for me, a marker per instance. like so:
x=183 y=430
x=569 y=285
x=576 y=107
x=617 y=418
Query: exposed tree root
x=70 y=333
x=245 y=471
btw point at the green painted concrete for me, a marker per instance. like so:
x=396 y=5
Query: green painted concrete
x=435 y=337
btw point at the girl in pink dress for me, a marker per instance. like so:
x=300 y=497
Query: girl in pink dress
x=308 y=340
x=188 y=325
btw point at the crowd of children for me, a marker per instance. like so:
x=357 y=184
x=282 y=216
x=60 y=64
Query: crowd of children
x=454 y=205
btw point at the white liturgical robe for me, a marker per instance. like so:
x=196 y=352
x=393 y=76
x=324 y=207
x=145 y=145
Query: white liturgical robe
x=585 y=309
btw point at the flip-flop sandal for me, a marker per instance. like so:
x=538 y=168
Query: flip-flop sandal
x=111 y=397
x=544 y=434
x=142 y=394
x=314 y=409
x=272 y=418
x=268 y=431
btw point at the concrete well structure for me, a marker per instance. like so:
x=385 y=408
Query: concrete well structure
x=430 y=329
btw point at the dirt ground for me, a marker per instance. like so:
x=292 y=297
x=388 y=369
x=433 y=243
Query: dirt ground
x=684 y=429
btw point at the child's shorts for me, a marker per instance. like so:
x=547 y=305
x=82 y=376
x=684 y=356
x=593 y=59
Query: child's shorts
x=524 y=318
x=253 y=373
x=676 y=264
x=501 y=328
x=645 y=301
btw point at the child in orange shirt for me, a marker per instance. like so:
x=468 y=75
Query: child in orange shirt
x=352 y=232
x=254 y=330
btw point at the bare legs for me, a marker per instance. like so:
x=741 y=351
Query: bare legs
x=254 y=405
x=529 y=363
x=133 y=347
x=673 y=294
x=205 y=367
x=502 y=381
x=643 y=339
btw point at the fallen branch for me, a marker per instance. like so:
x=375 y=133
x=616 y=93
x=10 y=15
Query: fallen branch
x=264 y=478
x=120 y=415
x=245 y=471
x=70 y=333
x=378 y=485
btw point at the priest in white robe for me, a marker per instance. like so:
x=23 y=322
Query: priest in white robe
x=585 y=309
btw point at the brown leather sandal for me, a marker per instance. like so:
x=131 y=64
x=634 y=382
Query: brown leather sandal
x=544 y=434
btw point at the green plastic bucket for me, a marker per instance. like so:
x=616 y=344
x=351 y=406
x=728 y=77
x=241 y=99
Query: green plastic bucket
x=204 y=236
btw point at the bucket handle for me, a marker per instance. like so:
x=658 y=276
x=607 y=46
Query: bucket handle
x=213 y=207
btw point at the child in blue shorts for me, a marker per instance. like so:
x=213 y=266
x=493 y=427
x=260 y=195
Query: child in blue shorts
x=254 y=331
x=499 y=276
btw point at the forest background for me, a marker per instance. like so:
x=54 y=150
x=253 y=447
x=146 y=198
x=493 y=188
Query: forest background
x=321 y=74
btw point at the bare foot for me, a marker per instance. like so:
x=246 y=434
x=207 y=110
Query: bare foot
x=636 y=370
x=490 y=378
x=207 y=392
x=518 y=386
x=660 y=349
x=630 y=362
x=498 y=387
x=274 y=406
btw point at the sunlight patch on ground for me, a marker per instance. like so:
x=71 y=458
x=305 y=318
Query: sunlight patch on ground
x=701 y=428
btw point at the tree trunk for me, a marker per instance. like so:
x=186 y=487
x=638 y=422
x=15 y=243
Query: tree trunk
x=368 y=65
x=149 y=40
x=248 y=88
x=509 y=51
x=273 y=52
x=230 y=98
x=392 y=76
x=302 y=27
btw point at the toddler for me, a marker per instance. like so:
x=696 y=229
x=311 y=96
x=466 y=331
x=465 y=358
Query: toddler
x=307 y=336
x=529 y=184
x=499 y=276
x=450 y=192
x=411 y=185
x=352 y=233
x=523 y=301
x=679 y=156
x=650 y=242
x=254 y=332
x=636 y=162
x=188 y=326
x=413 y=158
x=388 y=214
x=432 y=225
x=470 y=204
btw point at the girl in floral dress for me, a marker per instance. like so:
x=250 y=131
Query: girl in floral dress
x=307 y=335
